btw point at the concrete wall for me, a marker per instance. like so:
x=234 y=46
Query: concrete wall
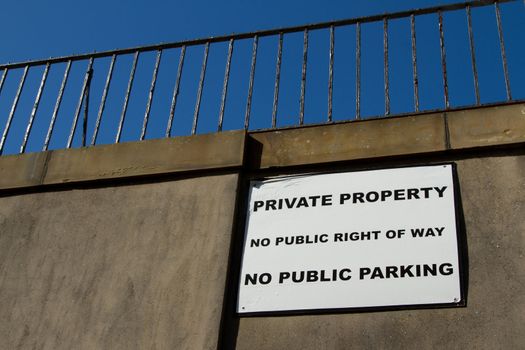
x=139 y=266
x=137 y=245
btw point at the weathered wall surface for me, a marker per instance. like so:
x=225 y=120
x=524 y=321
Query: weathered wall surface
x=493 y=196
x=127 y=246
x=138 y=266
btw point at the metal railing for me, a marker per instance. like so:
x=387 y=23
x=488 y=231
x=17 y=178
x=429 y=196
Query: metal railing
x=84 y=129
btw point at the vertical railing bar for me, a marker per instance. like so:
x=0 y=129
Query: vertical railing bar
x=79 y=106
x=277 y=81
x=2 y=80
x=443 y=59
x=199 y=92
x=35 y=108
x=150 y=95
x=303 y=77
x=358 y=72
x=4 y=75
x=86 y=107
x=385 y=68
x=225 y=84
x=414 y=62
x=13 y=109
x=331 y=73
x=502 y=49
x=103 y=99
x=57 y=106
x=176 y=90
x=473 y=55
x=126 y=98
x=250 y=85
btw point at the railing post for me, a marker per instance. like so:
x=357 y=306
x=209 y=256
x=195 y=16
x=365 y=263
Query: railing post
x=86 y=107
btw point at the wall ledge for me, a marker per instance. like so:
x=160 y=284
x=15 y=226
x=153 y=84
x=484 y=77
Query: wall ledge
x=357 y=140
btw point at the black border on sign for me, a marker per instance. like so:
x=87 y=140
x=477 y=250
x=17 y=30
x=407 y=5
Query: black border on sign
x=461 y=247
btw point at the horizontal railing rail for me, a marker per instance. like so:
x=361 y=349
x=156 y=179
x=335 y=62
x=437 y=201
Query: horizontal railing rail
x=57 y=93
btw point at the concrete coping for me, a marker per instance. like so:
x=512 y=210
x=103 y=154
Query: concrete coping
x=385 y=137
x=124 y=160
x=366 y=139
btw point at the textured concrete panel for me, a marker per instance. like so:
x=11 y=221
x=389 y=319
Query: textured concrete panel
x=487 y=126
x=210 y=151
x=129 y=267
x=493 y=195
x=356 y=140
x=24 y=170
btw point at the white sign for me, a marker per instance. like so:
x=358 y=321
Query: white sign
x=351 y=240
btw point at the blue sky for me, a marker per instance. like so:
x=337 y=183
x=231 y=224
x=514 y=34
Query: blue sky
x=40 y=29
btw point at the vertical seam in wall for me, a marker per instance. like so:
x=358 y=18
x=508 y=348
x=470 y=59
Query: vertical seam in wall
x=229 y=320
x=447 y=131
x=44 y=168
